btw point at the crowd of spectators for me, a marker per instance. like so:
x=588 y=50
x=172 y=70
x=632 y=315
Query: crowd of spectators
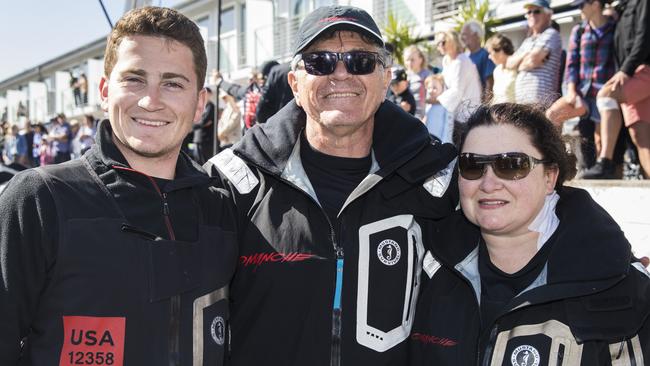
x=442 y=84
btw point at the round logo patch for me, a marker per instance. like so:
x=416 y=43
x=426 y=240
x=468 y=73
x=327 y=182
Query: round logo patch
x=525 y=356
x=218 y=330
x=389 y=252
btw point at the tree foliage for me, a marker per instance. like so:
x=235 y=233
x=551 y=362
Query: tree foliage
x=478 y=10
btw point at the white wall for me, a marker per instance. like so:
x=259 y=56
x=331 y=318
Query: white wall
x=37 y=95
x=94 y=75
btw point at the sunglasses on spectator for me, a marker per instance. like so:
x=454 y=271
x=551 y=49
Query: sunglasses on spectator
x=324 y=62
x=508 y=166
x=534 y=11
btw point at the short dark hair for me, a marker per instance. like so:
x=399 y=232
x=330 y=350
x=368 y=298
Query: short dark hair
x=158 y=22
x=544 y=136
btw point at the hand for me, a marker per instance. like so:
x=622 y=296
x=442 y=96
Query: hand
x=570 y=97
x=618 y=80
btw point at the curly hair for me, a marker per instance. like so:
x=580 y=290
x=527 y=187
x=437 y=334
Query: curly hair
x=544 y=136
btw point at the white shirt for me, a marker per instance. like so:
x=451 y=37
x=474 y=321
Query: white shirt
x=463 y=93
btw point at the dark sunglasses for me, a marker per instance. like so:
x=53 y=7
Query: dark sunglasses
x=509 y=166
x=534 y=11
x=356 y=62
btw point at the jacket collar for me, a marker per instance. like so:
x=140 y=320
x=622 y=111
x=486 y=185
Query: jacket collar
x=589 y=253
x=397 y=137
x=104 y=156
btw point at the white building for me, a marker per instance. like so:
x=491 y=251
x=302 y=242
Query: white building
x=252 y=31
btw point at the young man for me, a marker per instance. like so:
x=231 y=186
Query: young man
x=122 y=257
x=332 y=192
x=627 y=91
x=590 y=64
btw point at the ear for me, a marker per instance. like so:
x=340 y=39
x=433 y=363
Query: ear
x=293 y=83
x=103 y=93
x=550 y=175
x=200 y=104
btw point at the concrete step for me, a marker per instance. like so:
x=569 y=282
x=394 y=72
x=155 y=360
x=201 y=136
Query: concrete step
x=628 y=202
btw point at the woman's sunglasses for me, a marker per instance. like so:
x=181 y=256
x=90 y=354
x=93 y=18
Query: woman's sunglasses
x=509 y=166
x=324 y=63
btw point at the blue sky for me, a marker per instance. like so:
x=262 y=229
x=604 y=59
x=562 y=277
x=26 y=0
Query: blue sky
x=34 y=31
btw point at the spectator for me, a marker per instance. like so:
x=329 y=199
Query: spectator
x=627 y=89
x=83 y=88
x=500 y=48
x=230 y=122
x=75 y=146
x=28 y=133
x=76 y=91
x=401 y=94
x=538 y=58
x=39 y=133
x=331 y=193
x=529 y=271
x=15 y=147
x=276 y=93
x=472 y=34
x=439 y=122
x=462 y=92
x=61 y=139
x=86 y=134
x=590 y=63
x=416 y=68
x=204 y=131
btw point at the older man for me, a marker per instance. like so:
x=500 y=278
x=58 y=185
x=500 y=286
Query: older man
x=123 y=257
x=333 y=192
x=472 y=35
x=538 y=59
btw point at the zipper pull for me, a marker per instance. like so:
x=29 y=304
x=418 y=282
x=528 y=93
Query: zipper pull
x=339 y=253
x=165 y=205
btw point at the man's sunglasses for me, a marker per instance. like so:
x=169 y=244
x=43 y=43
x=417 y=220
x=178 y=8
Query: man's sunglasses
x=509 y=166
x=324 y=63
x=534 y=11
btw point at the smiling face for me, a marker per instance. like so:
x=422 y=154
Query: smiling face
x=151 y=97
x=499 y=206
x=538 y=18
x=341 y=104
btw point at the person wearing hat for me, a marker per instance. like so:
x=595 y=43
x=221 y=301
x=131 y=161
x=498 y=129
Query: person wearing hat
x=333 y=193
x=538 y=59
x=400 y=92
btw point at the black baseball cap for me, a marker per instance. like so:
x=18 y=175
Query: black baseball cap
x=398 y=74
x=335 y=17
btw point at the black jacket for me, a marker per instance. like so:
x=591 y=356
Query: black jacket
x=101 y=263
x=588 y=306
x=632 y=36
x=276 y=93
x=289 y=307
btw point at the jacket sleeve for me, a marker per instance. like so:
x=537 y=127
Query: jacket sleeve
x=236 y=90
x=28 y=237
x=641 y=44
x=206 y=118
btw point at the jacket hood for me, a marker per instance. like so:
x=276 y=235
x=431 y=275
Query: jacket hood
x=105 y=156
x=588 y=245
x=397 y=137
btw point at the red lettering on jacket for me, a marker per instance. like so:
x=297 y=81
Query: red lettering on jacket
x=435 y=340
x=262 y=258
x=334 y=19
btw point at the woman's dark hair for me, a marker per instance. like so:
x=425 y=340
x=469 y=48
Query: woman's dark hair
x=544 y=136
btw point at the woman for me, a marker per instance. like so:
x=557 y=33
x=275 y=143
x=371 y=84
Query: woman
x=415 y=63
x=529 y=272
x=463 y=85
x=499 y=48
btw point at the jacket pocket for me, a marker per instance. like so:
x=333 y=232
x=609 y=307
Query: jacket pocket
x=390 y=263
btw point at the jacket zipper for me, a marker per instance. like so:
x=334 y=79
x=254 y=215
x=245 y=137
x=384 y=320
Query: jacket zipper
x=175 y=301
x=335 y=354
